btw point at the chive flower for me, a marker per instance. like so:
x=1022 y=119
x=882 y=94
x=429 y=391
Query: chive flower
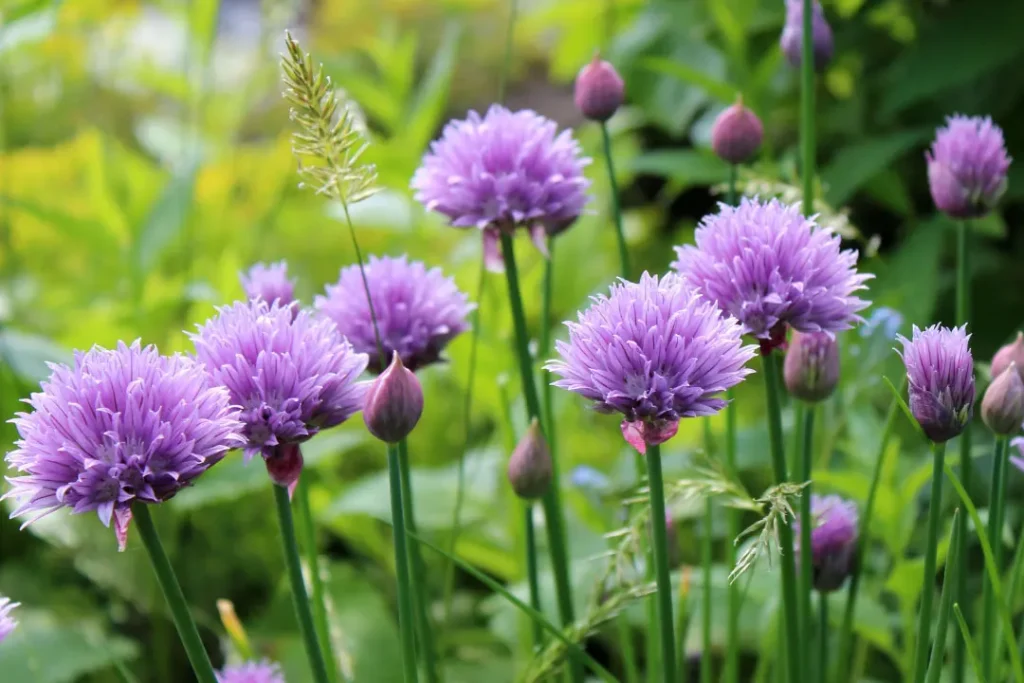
x=967 y=166
x=7 y=622
x=791 y=40
x=269 y=282
x=940 y=374
x=262 y=671
x=833 y=541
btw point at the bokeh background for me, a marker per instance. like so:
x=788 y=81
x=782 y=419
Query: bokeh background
x=145 y=161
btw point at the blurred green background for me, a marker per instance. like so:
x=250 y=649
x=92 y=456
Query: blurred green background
x=145 y=161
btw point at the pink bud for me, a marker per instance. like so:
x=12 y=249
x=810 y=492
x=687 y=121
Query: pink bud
x=736 y=134
x=811 y=368
x=1011 y=353
x=529 y=468
x=599 y=90
x=394 y=403
x=284 y=465
x=1002 y=408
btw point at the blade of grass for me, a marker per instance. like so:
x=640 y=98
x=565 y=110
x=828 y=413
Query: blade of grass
x=972 y=650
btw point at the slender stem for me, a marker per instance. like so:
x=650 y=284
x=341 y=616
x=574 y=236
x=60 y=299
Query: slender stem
x=1011 y=597
x=187 y=631
x=791 y=635
x=946 y=603
x=682 y=624
x=620 y=234
x=544 y=345
x=628 y=652
x=531 y=570
x=706 y=552
x=320 y=620
x=934 y=515
x=557 y=543
x=733 y=172
x=807 y=107
x=298 y=585
x=405 y=606
x=732 y=646
x=510 y=33
x=822 y=636
x=963 y=314
x=806 y=524
x=659 y=541
x=997 y=501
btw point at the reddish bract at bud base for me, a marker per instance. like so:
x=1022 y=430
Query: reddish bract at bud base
x=599 y=90
x=394 y=403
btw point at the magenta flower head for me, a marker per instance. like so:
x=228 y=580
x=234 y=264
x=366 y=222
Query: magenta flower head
x=833 y=541
x=768 y=266
x=291 y=377
x=7 y=622
x=791 y=40
x=654 y=351
x=599 y=90
x=940 y=374
x=503 y=171
x=419 y=310
x=736 y=134
x=967 y=166
x=269 y=282
x=119 y=426
x=251 y=672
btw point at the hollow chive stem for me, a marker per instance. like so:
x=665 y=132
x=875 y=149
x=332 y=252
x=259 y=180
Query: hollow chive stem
x=316 y=584
x=997 y=508
x=659 y=541
x=924 y=621
x=532 y=574
x=806 y=524
x=406 y=619
x=963 y=314
x=620 y=234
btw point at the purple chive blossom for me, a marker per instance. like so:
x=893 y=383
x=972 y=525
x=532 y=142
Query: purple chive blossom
x=291 y=378
x=251 y=672
x=502 y=171
x=833 y=541
x=655 y=352
x=120 y=426
x=791 y=41
x=967 y=166
x=940 y=373
x=419 y=310
x=768 y=266
x=7 y=622
x=269 y=282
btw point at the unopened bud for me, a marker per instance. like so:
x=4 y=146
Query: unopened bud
x=599 y=90
x=1002 y=408
x=1011 y=353
x=529 y=468
x=394 y=403
x=284 y=465
x=791 y=41
x=736 y=134
x=811 y=368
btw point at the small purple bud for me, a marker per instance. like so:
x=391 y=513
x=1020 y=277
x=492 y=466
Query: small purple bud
x=792 y=35
x=284 y=465
x=529 y=468
x=736 y=133
x=1002 y=408
x=7 y=622
x=599 y=90
x=394 y=403
x=833 y=541
x=1007 y=355
x=811 y=368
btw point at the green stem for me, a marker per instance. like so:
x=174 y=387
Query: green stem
x=732 y=646
x=531 y=570
x=772 y=387
x=424 y=629
x=997 y=507
x=405 y=606
x=733 y=172
x=308 y=531
x=298 y=585
x=544 y=346
x=557 y=543
x=620 y=234
x=807 y=108
x=963 y=314
x=682 y=626
x=706 y=546
x=927 y=592
x=822 y=636
x=510 y=33
x=628 y=652
x=659 y=541
x=187 y=631
x=946 y=603
x=806 y=524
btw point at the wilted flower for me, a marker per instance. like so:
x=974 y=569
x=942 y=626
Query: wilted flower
x=768 y=266
x=530 y=468
x=833 y=541
x=7 y=622
x=502 y=171
x=940 y=373
x=1002 y=407
x=736 y=134
x=418 y=311
x=599 y=90
x=1005 y=356
x=967 y=166
x=251 y=672
x=269 y=282
x=394 y=403
x=119 y=426
x=654 y=351
x=291 y=378
x=791 y=40
x=811 y=368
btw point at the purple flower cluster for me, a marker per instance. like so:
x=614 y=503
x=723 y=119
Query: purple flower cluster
x=7 y=622
x=269 y=282
x=967 y=166
x=419 y=310
x=654 y=351
x=251 y=672
x=119 y=426
x=940 y=374
x=833 y=541
x=768 y=266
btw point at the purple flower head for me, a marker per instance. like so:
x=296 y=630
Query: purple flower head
x=654 y=351
x=833 y=541
x=7 y=622
x=768 y=266
x=502 y=171
x=251 y=672
x=791 y=40
x=269 y=282
x=940 y=373
x=120 y=426
x=291 y=378
x=967 y=166
x=419 y=310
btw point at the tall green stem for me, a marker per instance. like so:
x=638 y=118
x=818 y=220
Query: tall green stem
x=406 y=616
x=659 y=540
x=544 y=346
x=552 y=499
x=997 y=509
x=822 y=637
x=298 y=584
x=732 y=645
x=187 y=631
x=806 y=524
x=924 y=621
x=772 y=387
x=319 y=598
x=532 y=575
x=620 y=234
x=963 y=314
x=731 y=196
x=807 y=107
x=706 y=558
x=946 y=603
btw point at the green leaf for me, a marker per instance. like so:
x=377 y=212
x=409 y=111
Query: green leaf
x=166 y=218
x=971 y=646
x=854 y=165
x=720 y=90
x=685 y=166
x=910 y=281
x=27 y=354
x=432 y=94
x=946 y=603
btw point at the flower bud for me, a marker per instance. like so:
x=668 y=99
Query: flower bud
x=284 y=465
x=833 y=541
x=529 y=468
x=793 y=31
x=1002 y=408
x=599 y=90
x=811 y=368
x=1008 y=355
x=394 y=403
x=736 y=134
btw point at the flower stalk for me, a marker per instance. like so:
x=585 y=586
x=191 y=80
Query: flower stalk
x=659 y=542
x=924 y=621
